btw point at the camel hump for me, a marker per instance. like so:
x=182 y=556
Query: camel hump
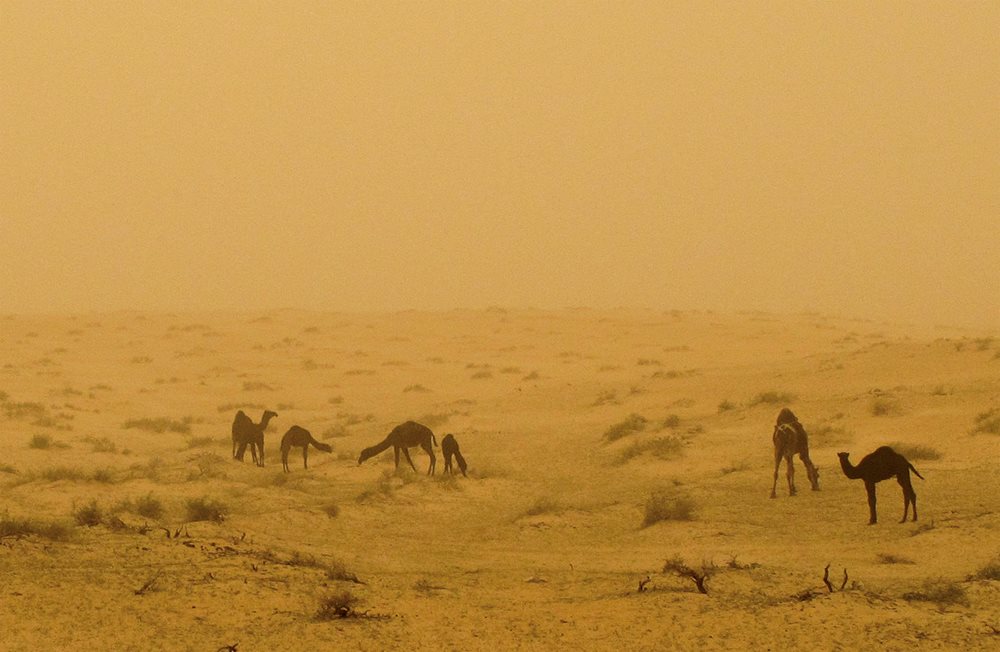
x=786 y=416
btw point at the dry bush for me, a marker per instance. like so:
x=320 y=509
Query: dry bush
x=771 y=398
x=990 y=571
x=331 y=509
x=544 y=505
x=40 y=442
x=340 y=604
x=200 y=442
x=671 y=421
x=415 y=388
x=915 y=451
x=726 y=406
x=481 y=375
x=205 y=509
x=255 y=386
x=942 y=592
x=882 y=407
x=890 y=558
x=988 y=422
x=89 y=514
x=150 y=507
x=16 y=528
x=104 y=476
x=159 y=425
x=605 y=397
x=336 y=430
x=336 y=570
x=56 y=473
x=633 y=424
x=735 y=467
x=101 y=445
x=825 y=434
x=668 y=505
x=532 y=376
x=677 y=566
x=664 y=448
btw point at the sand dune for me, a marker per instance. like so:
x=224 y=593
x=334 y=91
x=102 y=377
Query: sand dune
x=600 y=446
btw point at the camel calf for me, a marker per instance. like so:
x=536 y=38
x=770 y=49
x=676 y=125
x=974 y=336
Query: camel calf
x=297 y=436
x=449 y=448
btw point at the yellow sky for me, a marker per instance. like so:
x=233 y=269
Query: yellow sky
x=841 y=157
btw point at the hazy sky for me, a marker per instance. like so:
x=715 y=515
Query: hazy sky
x=833 y=156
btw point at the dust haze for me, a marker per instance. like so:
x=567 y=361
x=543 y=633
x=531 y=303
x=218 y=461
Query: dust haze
x=339 y=156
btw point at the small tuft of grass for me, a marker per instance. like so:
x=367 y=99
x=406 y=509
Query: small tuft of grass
x=337 y=571
x=633 y=424
x=150 y=507
x=40 y=442
x=664 y=448
x=881 y=407
x=339 y=604
x=205 y=509
x=988 y=422
x=772 y=398
x=726 y=406
x=915 y=451
x=89 y=514
x=332 y=510
x=415 y=388
x=990 y=571
x=102 y=445
x=672 y=421
x=890 y=558
x=941 y=592
x=200 y=442
x=159 y=425
x=668 y=505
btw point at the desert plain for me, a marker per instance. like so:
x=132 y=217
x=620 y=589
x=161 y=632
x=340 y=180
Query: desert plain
x=607 y=451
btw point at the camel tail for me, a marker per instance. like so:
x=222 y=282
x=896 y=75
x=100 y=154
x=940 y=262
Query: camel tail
x=913 y=468
x=434 y=439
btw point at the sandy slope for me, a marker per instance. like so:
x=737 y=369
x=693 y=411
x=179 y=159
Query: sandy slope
x=543 y=546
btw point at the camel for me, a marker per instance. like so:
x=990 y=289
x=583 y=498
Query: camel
x=789 y=439
x=882 y=464
x=246 y=432
x=405 y=436
x=449 y=448
x=297 y=436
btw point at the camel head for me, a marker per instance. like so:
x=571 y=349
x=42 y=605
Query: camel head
x=268 y=414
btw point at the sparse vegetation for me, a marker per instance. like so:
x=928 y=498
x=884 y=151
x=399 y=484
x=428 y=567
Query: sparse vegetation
x=200 y=442
x=672 y=421
x=990 y=571
x=340 y=604
x=150 y=507
x=256 y=386
x=205 y=509
x=941 y=592
x=772 y=398
x=988 y=422
x=915 y=451
x=17 y=528
x=726 y=406
x=889 y=558
x=633 y=424
x=664 y=448
x=544 y=505
x=89 y=514
x=102 y=445
x=677 y=566
x=882 y=407
x=668 y=505
x=159 y=425
x=331 y=509
x=40 y=442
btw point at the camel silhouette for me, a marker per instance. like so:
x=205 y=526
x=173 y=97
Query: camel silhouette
x=405 y=436
x=297 y=436
x=881 y=464
x=247 y=432
x=449 y=448
x=790 y=439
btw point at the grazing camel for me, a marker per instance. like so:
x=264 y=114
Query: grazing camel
x=882 y=464
x=405 y=436
x=790 y=439
x=297 y=436
x=246 y=432
x=449 y=448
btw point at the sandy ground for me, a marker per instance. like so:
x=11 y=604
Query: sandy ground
x=544 y=545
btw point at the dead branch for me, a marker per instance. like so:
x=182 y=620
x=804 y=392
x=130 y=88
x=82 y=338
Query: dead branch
x=148 y=586
x=643 y=583
x=826 y=578
x=679 y=568
x=228 y=648
x=844 y=583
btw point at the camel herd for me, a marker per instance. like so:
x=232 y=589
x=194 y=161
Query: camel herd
x=790 y=439
x=402 y=438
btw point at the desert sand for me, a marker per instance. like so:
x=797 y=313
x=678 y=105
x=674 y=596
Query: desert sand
x=605 y=448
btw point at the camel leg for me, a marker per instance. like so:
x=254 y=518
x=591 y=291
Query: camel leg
x=791 y=476
x=909 y=496
x=870 y=488
x=284 y=459
x=811 y=472
x=395 y=449
x=774 y=485
x=406 y=452
x=305 y=456
x=447 y=465
x=430 y=451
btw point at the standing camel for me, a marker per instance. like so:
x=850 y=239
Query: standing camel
x=449 y=448
x=405 y=436
x=882 y=464
x=297 y=436
x=246 y=432
x=790 y=439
